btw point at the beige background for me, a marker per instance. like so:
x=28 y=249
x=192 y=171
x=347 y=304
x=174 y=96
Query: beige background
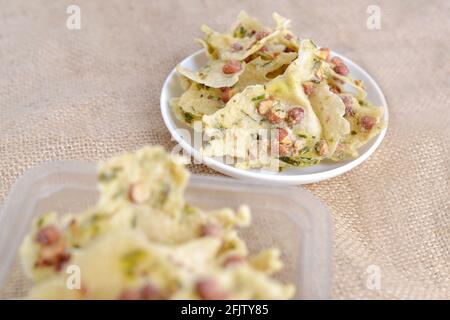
x=91 y=93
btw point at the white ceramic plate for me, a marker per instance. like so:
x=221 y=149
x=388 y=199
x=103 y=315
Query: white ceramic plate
x=325 y=170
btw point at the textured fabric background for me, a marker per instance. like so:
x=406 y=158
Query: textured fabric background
x=94 y=92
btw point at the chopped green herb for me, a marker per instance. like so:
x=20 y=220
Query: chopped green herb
x=131 y=260
x=189 y=209
x=327 y=73
x=109 y=175
x=240 y=32
x=317 y=63
x=188 y=117
x=40 y=222
x=299 y=161
x=303 y=150
x=201 y=86
x=260 y=97
x=363 y=103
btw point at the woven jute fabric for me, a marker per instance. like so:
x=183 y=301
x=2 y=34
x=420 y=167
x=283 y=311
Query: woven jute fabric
x=94 y=92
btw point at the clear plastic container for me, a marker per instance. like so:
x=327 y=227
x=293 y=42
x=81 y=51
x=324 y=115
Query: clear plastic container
x=289 y=218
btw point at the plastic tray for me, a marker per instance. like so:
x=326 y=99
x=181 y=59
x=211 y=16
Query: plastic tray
x=289 y=218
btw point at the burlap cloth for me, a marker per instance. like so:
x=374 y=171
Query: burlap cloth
x=94 y=92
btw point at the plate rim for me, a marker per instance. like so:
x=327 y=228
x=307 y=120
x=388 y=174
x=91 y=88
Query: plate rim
x=264 y=177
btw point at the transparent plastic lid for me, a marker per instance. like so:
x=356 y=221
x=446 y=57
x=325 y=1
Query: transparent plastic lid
x=289 y=218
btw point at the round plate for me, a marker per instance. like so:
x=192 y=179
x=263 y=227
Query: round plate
x=290 y=176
